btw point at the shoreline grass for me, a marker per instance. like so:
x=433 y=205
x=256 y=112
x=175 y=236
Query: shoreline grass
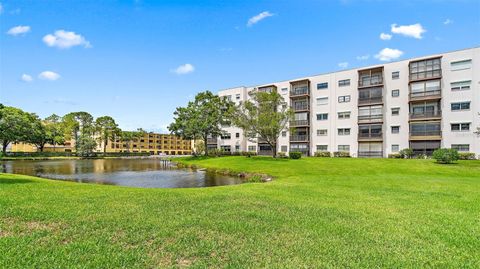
x=318 y=212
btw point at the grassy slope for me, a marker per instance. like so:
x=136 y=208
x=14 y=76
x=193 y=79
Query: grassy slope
x=317 y=213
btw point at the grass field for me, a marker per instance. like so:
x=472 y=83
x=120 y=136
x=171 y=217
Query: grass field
x=317 y=212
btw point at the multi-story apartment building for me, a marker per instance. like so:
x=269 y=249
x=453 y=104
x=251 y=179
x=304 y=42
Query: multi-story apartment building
x=423 y=103
x=152 y=143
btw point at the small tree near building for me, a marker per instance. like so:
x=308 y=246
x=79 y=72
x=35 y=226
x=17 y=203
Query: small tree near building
x=263 y=118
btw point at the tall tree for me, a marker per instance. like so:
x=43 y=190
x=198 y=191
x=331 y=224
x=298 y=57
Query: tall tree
x=15 y=124
x=38 y=133
x=265 y=117
x=107 y=130
x=54 y=129
x=76 y=124
x=201 y=118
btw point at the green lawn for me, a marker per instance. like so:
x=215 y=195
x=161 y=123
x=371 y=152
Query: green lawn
x=316 y=213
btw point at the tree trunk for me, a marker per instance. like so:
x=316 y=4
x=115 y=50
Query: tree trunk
x=205 y=144
x=274 y=150
x=4 y=147
x=41 y=147
x=105 y=146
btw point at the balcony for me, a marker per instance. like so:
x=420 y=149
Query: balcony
x=424 y=75
x=426 y=115
x=299 y=138
x=303 y=106
x=425 y=95
x=370 y=118
x=370 y=101
x=211 y=140
x=426 y=135
x=299 y=123
x=370 y=81
x=299 y=91
x=370 y=154
x=370 y=136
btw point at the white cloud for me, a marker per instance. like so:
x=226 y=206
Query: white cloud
x=388 y=54
x=384 y=36
x=48 y=75
x=184 y=69
x=255 y=19
x=18 y=30
x=448 y=21
x=27 y=78
x=64 y=40
x=343 y=64
x=363 y=57
x=414 y=30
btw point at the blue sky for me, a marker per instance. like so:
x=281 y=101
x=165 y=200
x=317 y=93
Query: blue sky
x=138 y=60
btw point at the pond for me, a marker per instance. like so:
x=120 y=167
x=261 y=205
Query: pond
x=143 y=173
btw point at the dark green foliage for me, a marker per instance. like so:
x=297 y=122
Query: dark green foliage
x=445 y=156
x=322 y=154
x=295 y=155
x=406 y=153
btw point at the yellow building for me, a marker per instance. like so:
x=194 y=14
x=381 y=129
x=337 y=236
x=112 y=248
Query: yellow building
x=152 y=143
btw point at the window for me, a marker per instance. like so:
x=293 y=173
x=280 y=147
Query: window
x=322 y=132
x=228 y=97
x=226 y=148
x=226 y=136
x=344 y=115
x=460 y=106
x=284 y=89
x=429 y=68
x=396 y=75
x=460 y=127
x=237 y=96
x=344 y=99
x=395 y=129
x=343 y=131
x=322 y=116
x=284 y=148
x=344 y=148
x=252 y=148
x=322 y=147
x=344 y=82
x=395 y=93
x=460 y=85
x=284 y=133
x=461 y=147
x=323 y=85
x=322 y=101
x=419 y=89
x=461 y=65
x=395 y=111
x=237 y=135
x=395 y=148
x=237 y=147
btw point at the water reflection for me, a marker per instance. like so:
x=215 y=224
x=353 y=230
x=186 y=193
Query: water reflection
x=145 y=173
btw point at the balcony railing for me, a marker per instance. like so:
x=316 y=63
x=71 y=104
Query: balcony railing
x=297 y=123
x=374 y=81
x=298 y=138
x=376 y=117
x=264 y=152
x=426 y=115
x=426 y=75
x=371 y=100
x=370 y=154
x=426 y=94
x=300 y=106
x=426 y=133
x=370 y=136
x=211 y=140
x=299 y=91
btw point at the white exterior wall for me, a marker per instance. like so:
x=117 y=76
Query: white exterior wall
x=333 y=140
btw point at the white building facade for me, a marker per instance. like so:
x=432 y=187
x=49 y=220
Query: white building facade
x=423 y=103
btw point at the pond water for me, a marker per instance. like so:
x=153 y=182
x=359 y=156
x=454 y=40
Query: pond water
x=143 y=173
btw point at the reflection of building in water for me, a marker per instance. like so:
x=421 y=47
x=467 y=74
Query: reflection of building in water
x=152 y=143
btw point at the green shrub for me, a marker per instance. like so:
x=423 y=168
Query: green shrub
x=249 y=153
x=341 y=154
x=466 y=156
x=445 y=155
x=395 y=156
x=322 y=154
x=282 y=155
x=406 y=153
x=295 y=155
